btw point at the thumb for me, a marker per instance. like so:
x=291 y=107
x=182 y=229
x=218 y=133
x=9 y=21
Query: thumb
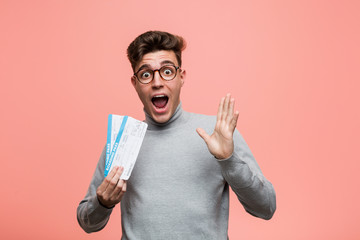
x=203 y=134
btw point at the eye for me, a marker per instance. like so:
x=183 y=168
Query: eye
x=145 y=74
x=168 y=70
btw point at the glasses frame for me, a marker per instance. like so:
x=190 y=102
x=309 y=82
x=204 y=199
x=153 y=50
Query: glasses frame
x=157 y=70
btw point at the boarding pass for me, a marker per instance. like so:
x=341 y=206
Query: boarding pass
x=124 y=138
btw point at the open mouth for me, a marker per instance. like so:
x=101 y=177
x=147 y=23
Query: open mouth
x=160 y=101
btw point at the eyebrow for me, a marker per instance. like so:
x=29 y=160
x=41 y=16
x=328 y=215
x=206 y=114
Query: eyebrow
x=166 y=62
x=162 y=64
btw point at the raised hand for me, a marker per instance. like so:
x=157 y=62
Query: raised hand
x=112 y=189
x=220 y=143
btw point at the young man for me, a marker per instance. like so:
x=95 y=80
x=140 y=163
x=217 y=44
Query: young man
x=179 y=187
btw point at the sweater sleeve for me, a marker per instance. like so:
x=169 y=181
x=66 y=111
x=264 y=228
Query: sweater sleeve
x=91 y=215
x=243 y=174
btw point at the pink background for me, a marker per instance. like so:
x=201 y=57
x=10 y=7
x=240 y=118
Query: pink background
x=293 y=67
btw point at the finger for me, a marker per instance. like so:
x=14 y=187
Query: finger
x=220 y=109
x=118 y=187
x=202 y=133
x=231 y=108
x=123 y=191
x=107 y=180
x=226 y=106
x=124 y=187
x=114 y=181
x=234 y=120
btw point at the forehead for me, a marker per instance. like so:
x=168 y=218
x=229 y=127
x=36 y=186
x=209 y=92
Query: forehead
x=157 y=59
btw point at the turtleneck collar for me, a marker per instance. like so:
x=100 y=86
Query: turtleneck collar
x=177 y=118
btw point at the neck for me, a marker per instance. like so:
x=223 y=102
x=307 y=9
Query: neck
x=177 y=118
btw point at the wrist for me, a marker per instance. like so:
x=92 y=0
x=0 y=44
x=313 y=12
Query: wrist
x=103 y=205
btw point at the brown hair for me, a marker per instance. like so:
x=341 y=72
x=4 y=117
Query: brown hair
x=152 y=41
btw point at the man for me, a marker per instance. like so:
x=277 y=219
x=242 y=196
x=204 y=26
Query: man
x=179 y=187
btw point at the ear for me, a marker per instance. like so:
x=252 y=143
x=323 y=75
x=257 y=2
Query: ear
x=182 y=76
x=133 y=81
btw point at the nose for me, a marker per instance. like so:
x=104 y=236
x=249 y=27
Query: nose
x=157 y=82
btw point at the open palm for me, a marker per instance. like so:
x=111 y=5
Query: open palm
x=220 y=143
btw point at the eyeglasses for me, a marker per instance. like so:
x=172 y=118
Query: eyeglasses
x=146 y=75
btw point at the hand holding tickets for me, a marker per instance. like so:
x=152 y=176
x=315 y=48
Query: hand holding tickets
x=112 y=189
x=124 y=139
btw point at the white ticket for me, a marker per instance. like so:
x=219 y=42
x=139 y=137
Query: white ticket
x=124 y=138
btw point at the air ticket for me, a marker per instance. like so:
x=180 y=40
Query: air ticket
x=124 y=138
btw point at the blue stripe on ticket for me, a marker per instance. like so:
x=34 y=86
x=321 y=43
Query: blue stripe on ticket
x=116 y=144
x=108 y=141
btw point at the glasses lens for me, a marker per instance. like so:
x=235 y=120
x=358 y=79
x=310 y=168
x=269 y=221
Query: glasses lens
x=145 y=75
x=168 y=72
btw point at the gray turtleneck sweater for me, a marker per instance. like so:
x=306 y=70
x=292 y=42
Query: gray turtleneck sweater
x=177 y=189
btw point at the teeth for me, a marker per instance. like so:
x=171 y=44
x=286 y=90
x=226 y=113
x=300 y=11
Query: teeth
x=157 y=96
